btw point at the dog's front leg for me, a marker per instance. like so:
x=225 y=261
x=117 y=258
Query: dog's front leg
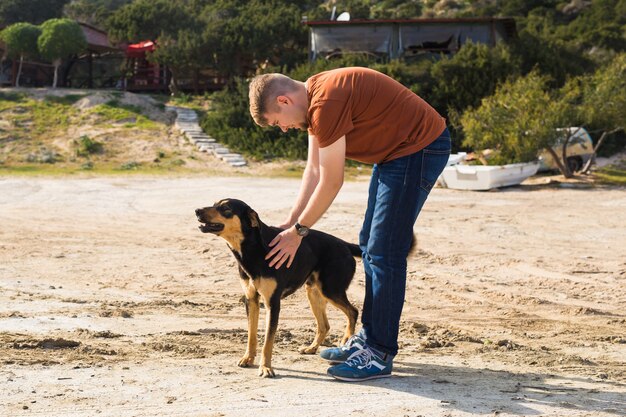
x=252 y=311
x=272 y=307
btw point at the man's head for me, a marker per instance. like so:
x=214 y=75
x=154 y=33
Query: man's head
x=277 y=100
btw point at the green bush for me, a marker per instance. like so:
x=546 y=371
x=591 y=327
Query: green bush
x=11 y=96
x=68 y=99
x=44 y=156
x=462 y=80
x=132 y=165
x=230 y=123
x=87 y=146
x=517 y=121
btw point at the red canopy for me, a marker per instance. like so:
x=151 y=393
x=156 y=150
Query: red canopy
x=138 y=50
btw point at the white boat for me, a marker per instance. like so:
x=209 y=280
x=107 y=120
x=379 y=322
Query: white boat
x=456 y=158
x=483 y=177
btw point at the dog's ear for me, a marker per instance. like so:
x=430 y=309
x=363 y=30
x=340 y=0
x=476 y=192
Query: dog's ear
x=254 y=218
x=260 y=229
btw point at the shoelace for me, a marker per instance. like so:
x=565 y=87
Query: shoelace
x=361 y=358
x=350 y=342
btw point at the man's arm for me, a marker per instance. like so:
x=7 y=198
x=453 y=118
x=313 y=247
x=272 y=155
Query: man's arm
x=310 y=179
x=332 y=160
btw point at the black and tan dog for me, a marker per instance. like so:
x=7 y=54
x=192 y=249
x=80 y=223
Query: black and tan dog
x=323 y=263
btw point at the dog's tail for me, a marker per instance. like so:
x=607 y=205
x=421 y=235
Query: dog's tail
x=413 y=247
x=356 y=251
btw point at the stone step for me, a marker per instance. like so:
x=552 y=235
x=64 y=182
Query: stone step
x=197 y=135
x=229 y=156
x=232 y=161
x=220 y=151
x=201 y=142
x=192 y=130
x=206 y=147
x=189 y=128
x=187 y=123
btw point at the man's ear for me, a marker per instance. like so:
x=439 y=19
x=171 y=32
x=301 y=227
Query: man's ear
x=282 y=100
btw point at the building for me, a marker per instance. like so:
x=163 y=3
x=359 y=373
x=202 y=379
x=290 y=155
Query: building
x=404 y=38
x=98 y=66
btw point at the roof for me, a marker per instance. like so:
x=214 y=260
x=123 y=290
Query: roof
x=138 y=50
x=97 y=39
x=412 y=21
x=507 y=24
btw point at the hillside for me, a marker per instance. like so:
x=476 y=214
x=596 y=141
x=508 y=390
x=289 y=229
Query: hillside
x=62 y=130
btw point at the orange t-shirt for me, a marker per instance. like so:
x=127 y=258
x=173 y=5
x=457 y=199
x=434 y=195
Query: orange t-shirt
x=381 y=119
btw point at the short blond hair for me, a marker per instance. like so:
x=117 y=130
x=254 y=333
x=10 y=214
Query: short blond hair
x=263 y=90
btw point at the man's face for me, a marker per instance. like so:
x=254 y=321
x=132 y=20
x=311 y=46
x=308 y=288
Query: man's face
x=288 y=116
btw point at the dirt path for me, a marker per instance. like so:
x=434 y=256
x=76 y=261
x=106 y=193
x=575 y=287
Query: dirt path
x=112 y=303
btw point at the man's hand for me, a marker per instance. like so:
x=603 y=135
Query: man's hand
x=286 y=224
x=284 y=248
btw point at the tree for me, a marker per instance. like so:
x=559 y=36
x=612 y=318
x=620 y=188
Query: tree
x=358 y=9
x=519 y=120
x=597 y=100
x=604 y=100
x=397 y=9
x=600 y=24
x=144 y=20
x=59 y=39
x=234 y=39
x=30 y=11
x=471 y=74
x=553 y=57
x=242 y=42
x=21 y=41
x=93 y=12
x=172 y=25
x=188 y=52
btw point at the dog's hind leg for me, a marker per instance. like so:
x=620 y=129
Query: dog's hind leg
x=318 y=306
x=342 y=303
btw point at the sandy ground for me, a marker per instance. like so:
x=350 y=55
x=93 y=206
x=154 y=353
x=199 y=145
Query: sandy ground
x=112 y=303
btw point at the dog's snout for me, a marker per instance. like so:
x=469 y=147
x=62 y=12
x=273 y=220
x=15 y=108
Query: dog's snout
x=198 y=211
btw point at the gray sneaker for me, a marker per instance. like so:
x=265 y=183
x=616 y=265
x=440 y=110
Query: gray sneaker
x=342 y=353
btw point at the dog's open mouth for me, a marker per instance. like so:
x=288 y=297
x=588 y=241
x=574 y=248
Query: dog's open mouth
x=211 y=227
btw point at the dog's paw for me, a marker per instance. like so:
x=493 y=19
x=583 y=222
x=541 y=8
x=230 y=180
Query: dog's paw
x=246 y=361
x=266 y=372
x=308 y=350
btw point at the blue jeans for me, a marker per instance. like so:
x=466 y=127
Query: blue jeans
x=397 y=192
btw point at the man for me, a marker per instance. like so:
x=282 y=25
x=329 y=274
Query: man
x=366 y=116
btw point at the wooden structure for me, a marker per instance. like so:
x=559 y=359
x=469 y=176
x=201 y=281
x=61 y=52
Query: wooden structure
x=404 y=38
x=141 y=74
x=97 y=67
